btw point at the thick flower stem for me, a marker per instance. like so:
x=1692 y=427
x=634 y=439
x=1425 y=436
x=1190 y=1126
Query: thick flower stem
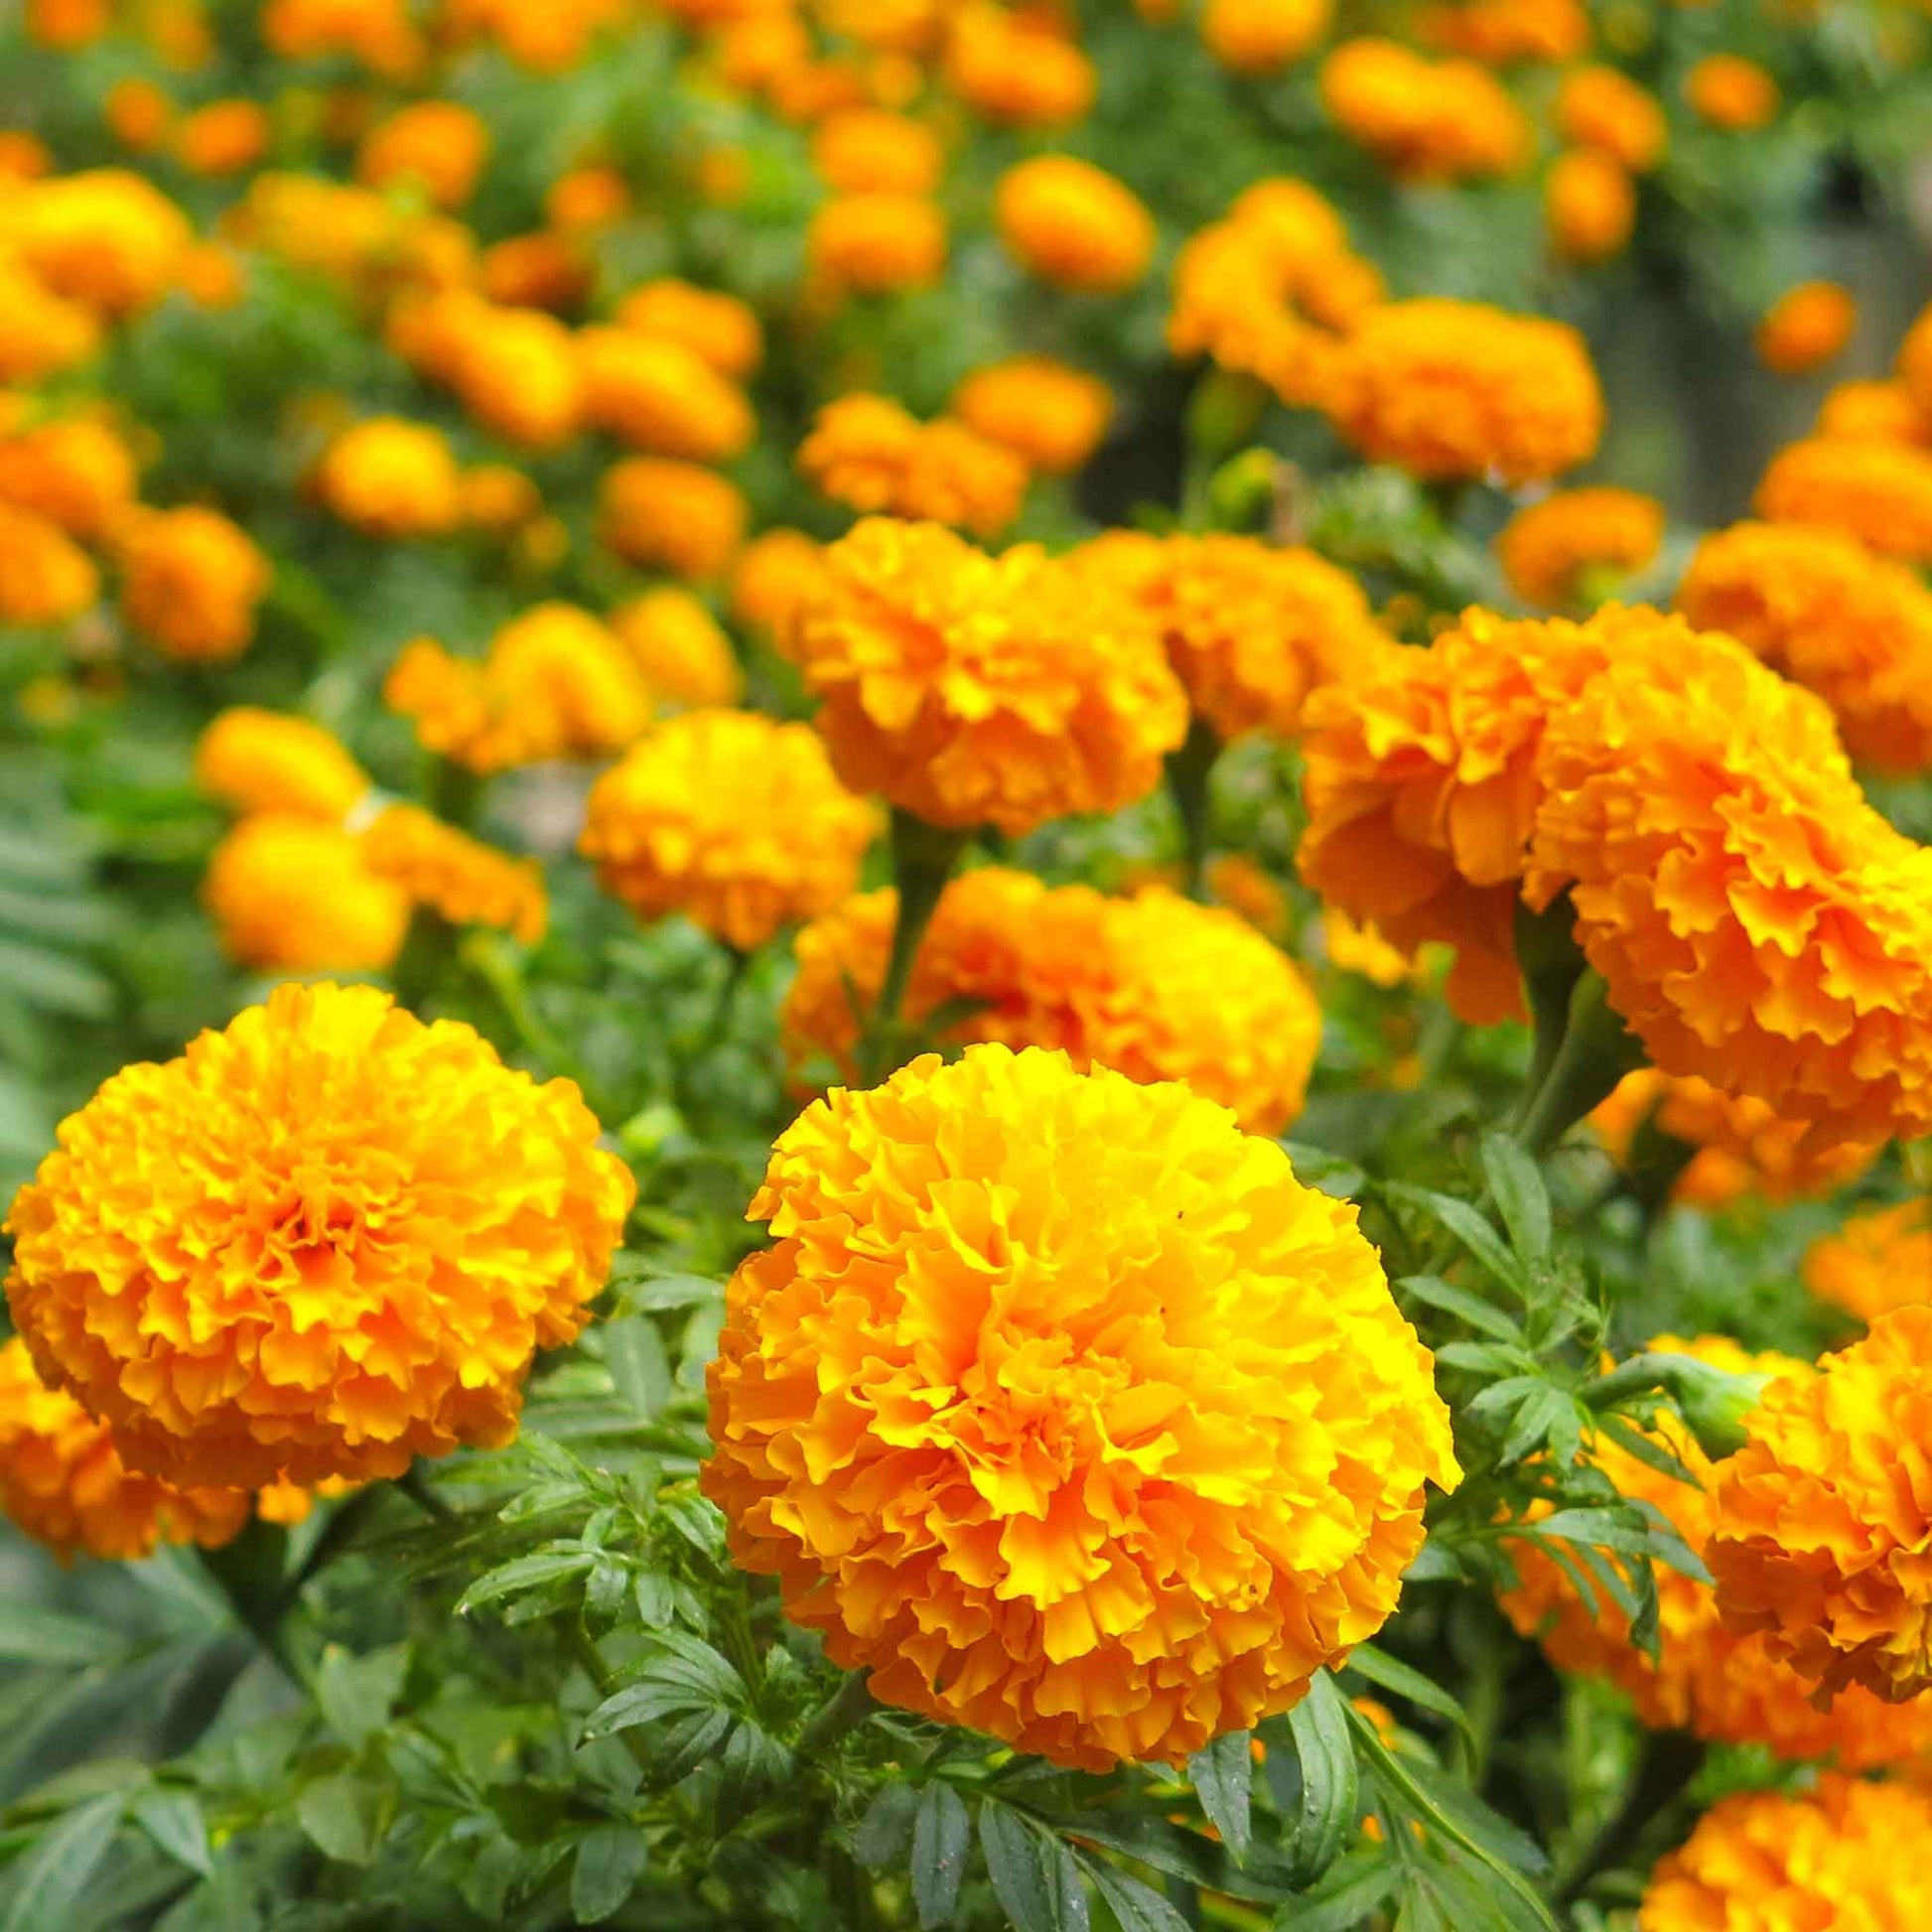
x=1597 y=1050
x=846 y=1708
x=1552 y=963
x=1670 y=1760
x=454 y=793
x=1188 y=771
x=251 y=1572
x=923 y=858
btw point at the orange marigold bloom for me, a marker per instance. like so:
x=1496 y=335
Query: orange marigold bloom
x=1073 y=225
x=1423 y=119
x=1501 y=33
x=1067 y=1490
x=1554 y=552
x=870 y=454
x=1731 y=93
x=871 y=151
x=75 y=470
x=1603 y=108
x=465 y=880
x=255 y=760
x=975 y=690
x=1254 y=37
x=190 y=581
x=1250 y=628
x=1721 y=1686
x=1877 y=1261
x=776 y=572
x=378 y=33
x=44 y=575
x=1590 y=206
x=656 y=395
x=393 y=479
x=294 y=895
x=41 y=333
x=1818 y=607
x=439 y=146
x=226 y=137
x=1050 y=415
x=104 y=238
x=536 y=271
x=681 y=648
x=518 y=371
x=1743 y=1151
x=321 y=1242
x=876 y=243
x=1015 y=68
x=1806 y=326
x=720 y=328
x=587 y=198
x=1455 y=389
x=730 y=818
x=1881 y=491
x=67 y=24
x=499 y=499
x=674 y=516
x=1882 y=412
x=1843 y=1853
x=63 y=1483
x=1822 y=1525
x=24 y=155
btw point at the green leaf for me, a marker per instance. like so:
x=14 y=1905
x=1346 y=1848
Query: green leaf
x=1316 y=1168
x=525 y=1574
x=357 y=1694
x=1464 y=1303
x=646 y=1292
x=633 y=1351
x=29 y=1635
x=1468 y=1227
x=341 y=1815
x=679 y=1673
x=941 y=1834
x=50 y=1879
x=1353 y=1889
x=1516 y=1187
x=885 y=1830
x=1137 y=1906
x=1390 y=1674
x=55 y=982
x=1223 y=1779
x=1033 y=1875
x=1324 y=1751
x=174 y=1821
x=610 y=1861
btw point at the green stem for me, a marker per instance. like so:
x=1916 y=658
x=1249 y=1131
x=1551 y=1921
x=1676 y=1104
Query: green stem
x=1188 y=771
x=251 y=1574
x=846 y=1708
x=1670 y=1760
x=923 y=858
x=453 y=792
x=1552 y=963
x=1597 y=1050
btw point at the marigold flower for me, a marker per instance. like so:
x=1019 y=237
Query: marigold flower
x=1879 y=1260
x=1250 y=628
x=1074 y=226
x=439 y=146
x=255 y=760
x=720 y=328
x=1254 y=37
x=656 y=395
x=730 y=818
x=975 y=690
x=191 y=583
x=680 y=649
x=63 y=1483
x=226 y=137
x=1423 y=119
x=1818 y=607
x=876 y=243
x=44 y=575
x=1881 y=491
x=67 y=24
x=1742 y=1150
x=1094 y=1481
x=1603 y=108
x=872 y=455
x=672 y=517
x=321 y=1242
x=499 y=499
x=75 y=470
x=1722 y=1687
x=1050 y=415
x=1015 y=69
x=518 y=371
x=1731 y=93
x=1501 y=33
x=873 y=150
x=465 y=880
x=588 y=199
x=103 y=237
x=544 y=271
x=1806 y=326
x=377 y=34
x=776 y=572
x=41 y=333
x=1590 y=206
x=1456 y=389
x=293 y=894
x=392 y=478
x=1350 y=946
x=1555 y=550
x=24 y=155
x=1882 y=412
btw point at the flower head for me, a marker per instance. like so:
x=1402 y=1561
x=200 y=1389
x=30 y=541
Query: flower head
x=191 y=583
x=1590 y=206
x=723 y=330
x=776 y=573
x=1424 y=119
x=1551 y=550
x=44 y=575
x=1015 y=69
x=388 y=478
x=465 y=880
x=321 y=1242
x=255 y=760
x=1257 y=37
x=294 y=895
x=1877 y=1261
x=1603 y=108
x=1806 y=326
x=1061 y=1406
x=873 y=150
x=1880 y=412
x=680 y=647
x=872 y=455
x=674 y=516
x=439 y=146
x=1877 y=489
x=104 y=238
x=75 y=470
x=1731 y=93
x=1073 y=225
x=877 y=243
x=1049 y=415
x=657 y=394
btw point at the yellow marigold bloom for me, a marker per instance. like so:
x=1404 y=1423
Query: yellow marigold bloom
x=393 y=479
x=1551 y=551
x=1351 y=946
x=1881 y=491
x=321 y=1242
x=1603 y=108
x=1074 y=226
x=730 y=818
x=75 y=470
x=1049 y=1585
x=466 y=881
x=1423 y=119
x=438 y=146
x=1050 y=415
x=656 y=395
x=517 y=370
x=1250 y=628
x=1726 y=1688
x=720 y=328
x=1806 y=326
x=63 y=1483
x=1015 y=68
x=190 y=581
x=975 y=690
x=1882 y=412
x=776 y=574
x=1818 y=607
x=1845 y=1853
x=1731 y=93
x=226 y=137
x=352 y=236
x=1254 y=37
x=1501 y=33
x=1453 y=389
x=674 y=516
x=1590 y=206
x=870 y=454
x=255 y=760
x=1154 y=987
x=44 y=575
x=104 y=238
x=294 y=895
x=1821 y=1530
x=873 y=150
x=680 y=649
x=1879 y=1260
x=377 y=34
x=1743 y=1151
x=41 y=333
x=877 y=243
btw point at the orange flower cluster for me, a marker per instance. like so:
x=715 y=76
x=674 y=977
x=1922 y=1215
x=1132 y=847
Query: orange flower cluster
x=1879 y=1260
x=291 y=893
x=1262 y=36
x=1050 y=416
x=680 y=647
x=1013 y=1516
x=1073 y=225
x=671 y=516
x=191 y=582
x=1558 y=551
x=1502 y=33
x=1733 y=93
x=1424 y=119
x=874 y=456
x=1603 y=108
x=1012 y=67
x=1879 y=491
x=393 y=480
x=255 y=760
x=1806 y=326
x=457 y=876
x=1590 y=206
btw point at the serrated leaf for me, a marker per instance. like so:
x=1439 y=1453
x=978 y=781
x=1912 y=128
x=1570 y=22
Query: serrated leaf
x=341 y=1816
x=608 y=1863
x=650 y=1292
x=941 y=1834
x=1516 y=1185
x=1469 y=1227
x=1137 y=1907
x=174 y=1821
x=55 y=982
x=1033 y=1875
x=50 y=1880
x=1223 y=1779
x=640 y=1372
x=1462 y=1303
x=1539 y=1416
x=1325 y=1751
